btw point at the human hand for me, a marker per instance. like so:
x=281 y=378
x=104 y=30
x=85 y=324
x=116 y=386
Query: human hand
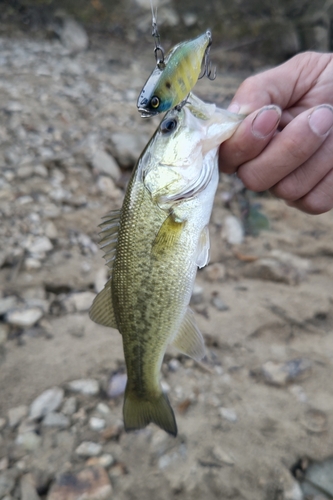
x=285 y=144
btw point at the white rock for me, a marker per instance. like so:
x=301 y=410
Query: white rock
x=69 y=406
x=222 y=456
x=88 y=449
x=45 y=403
x=104 y=163
x=80 y=301
x=106 y=460
x=29 y=441
x=96 y=424
x=103 y=409
x=7 y=303
x=30 y=264
x=40 y=245
x=128 y=146
x=73 y=36
x=16 y=415
x=233 y=230
x=25 y=318
x=55 y=419
x=88 y=386
x=229 y=414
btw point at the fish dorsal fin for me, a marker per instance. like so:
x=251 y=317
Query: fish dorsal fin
x=202 y=256
x=109 y=236
x=189 y=339
x=101 y=311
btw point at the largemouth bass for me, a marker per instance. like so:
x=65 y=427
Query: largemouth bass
x=154 y=246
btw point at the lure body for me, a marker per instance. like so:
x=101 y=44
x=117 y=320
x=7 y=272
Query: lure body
x=171 y=81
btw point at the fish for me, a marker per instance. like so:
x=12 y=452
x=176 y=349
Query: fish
x=153 y=247
x=173 y=79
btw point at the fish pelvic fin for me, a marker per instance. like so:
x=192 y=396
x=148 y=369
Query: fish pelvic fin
x=101 y=311
x=139 y=412
x=189 y=339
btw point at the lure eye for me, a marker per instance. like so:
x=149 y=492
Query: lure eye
x=155 y=102
x=168 y=126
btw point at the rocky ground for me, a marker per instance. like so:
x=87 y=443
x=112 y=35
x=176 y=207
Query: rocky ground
x=255 y=419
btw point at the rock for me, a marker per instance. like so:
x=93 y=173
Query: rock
x=105 y=461
x=79 y=301
x=106 y=185
x=117 y=385
x=228 y=413
x=40 y=245
x=96 y=424
x=69 y=406
x=315 y=421
x=103 y=409
x=218 y=303
x=174 y=365
x=319 y=474
x=233 y=230
x=7 y=303
x=7 y=482
x=2 y=423
x=104 y=163
x=281 y=374
x=30 y=264
x=28 y=489
x=88 y=449
x=215 y=272
x=73 y=36
x=25 y=318
x=55 y=419
x=273 y=270
x=16 y=415
x=197 y=294
x=88 y=386
x=222 y=456
x=92 y=483
x=29 y=441
x=4 y=463
x=4 y=330
x=127 y=147
x=47 y=402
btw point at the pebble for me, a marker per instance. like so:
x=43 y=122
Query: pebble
x=117 y=385
x=29 y=441
x=87 y=386
x=30 y=264
x=28 y=488
x=16 y=415
x=215 y=272
x=7 y=303
x=4 y=463
x=96 y=424
x=80 y=301
x=73 y=36
x=273 y=270
x=55 y=419
x=25 y=318
x=174 y=365
x=104 y=163
x=218 y=303
x=103 y=409
x=40 y=245
x=105 y=460
x=128 y=146
x=320 y=474
x=315 y=421
x=106 y=185
x=47 y=402
x=233 y=230
x=222 y=456
x=281 y=374
x=91 y=483
x=2 y=423
x=229 y=414
x=7 y=483
x=69 y=406
x=88 y=449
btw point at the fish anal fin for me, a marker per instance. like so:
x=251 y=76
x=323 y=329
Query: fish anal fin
x=101 y=311
x=168 y=235
x=139 y=412
x=189 y=339
x=202 y=256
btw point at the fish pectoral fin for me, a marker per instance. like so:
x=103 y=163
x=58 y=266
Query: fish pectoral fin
x=202 y=256
x=189 y=339
x=109 y=236
x=101 y=311
x=139 y=412
x=168 y=235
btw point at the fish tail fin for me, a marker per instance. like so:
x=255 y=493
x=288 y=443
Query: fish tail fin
x=138 y=413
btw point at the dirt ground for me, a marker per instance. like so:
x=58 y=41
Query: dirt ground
x=263 y=399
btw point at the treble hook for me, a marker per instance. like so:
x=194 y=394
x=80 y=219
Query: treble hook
x=207 y=70
x=158 y=50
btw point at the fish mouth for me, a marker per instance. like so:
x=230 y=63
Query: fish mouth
x=145 y=113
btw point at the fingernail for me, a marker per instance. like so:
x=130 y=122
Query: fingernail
x=234 y=108
x=266 y=121
x=321 y=119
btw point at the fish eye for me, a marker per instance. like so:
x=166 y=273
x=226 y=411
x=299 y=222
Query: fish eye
x=168 y=125
x=155 y=102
